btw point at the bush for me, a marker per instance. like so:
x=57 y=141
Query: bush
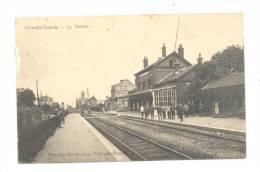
x=33 y=132
x=25 y=97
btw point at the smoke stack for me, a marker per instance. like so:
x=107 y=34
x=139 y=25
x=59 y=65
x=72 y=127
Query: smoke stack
x=200 y=59
x=145 y=62
x=163 y=50
x=181 y=51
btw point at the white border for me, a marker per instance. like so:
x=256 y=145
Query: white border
x=14 y=8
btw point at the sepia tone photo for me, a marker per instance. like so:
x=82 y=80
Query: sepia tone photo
x=130 y=88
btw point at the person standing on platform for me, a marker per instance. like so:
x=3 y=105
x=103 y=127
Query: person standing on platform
x=179 y=109
x=181 y=113
x=61 y=116
x=163 y=112
x=152 y=111
x=169 y=112
x=103 y=109
x=142 y=111
x=172 y=111
x=159 y=111
x=146 y=113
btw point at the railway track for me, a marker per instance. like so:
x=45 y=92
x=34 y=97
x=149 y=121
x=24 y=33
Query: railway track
x=194 y=132
x=136 y=147
x=179 y=128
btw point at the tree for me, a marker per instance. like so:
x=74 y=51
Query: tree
x=222 y=63
x=25 y=97
x=230 y=60
x=47 y=108
x=56 y=105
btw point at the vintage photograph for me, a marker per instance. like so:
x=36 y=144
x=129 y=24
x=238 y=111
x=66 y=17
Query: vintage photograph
x=130 y=88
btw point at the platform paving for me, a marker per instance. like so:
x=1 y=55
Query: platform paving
x=78 y=141
x=231 y=124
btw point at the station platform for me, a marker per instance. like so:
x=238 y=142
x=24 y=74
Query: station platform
x=230 y=124
x=78 y=141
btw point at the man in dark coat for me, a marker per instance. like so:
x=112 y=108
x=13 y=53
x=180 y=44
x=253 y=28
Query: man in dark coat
x=146 y=112
x=152 y=112
x=180 y=111
x=172 y=111
x=159 y=111
x=164 y=112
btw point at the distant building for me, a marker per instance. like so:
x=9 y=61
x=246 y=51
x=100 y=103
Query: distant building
x=78 y=103
x=92 y=101
x=121 y=88
x=82 y=98
x=117 y=101
x=225 y=96
x=82 y=101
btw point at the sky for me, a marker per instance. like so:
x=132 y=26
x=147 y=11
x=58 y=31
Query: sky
x=70 y=54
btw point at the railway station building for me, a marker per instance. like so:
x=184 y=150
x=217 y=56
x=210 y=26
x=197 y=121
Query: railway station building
x=225 y=96
x=118 y=90
x=164 y=82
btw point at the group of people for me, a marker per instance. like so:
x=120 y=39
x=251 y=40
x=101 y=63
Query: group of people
x=164 y=112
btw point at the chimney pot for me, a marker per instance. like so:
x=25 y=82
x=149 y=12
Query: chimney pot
x=181 y=51
x=163 y=50
x=145 y=61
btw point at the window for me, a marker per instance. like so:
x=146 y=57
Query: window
x=138 y=85
x=164 y=97
x=144 y=85
x=170 y=63
x=149 y=84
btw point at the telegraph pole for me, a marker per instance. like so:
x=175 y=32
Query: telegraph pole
x=37 y=92
x=176 y=34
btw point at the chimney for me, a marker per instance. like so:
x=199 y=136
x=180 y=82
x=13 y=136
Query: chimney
x=145 y=62
x=200 y=59
x=163 y=50
x=181 y=51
